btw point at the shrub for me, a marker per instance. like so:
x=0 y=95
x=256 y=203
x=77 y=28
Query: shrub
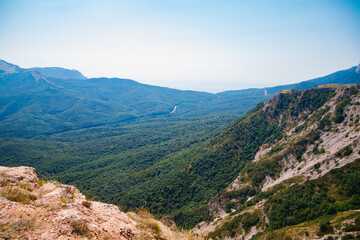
x=346 y=151
x=352 y=184
x=26 y=186
x=348 y=236
x=86 y=204
x=189 y=219
x=325 y=123
x=250 y=221
x=80 y=228
x=41 y=182
x=355 y=227
x=148 y=221
x=155 y=227
x=229 y=206
x=339 y=110
x=68 y=195
x=325 y=228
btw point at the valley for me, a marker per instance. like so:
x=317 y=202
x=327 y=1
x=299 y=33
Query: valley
x=253 y=163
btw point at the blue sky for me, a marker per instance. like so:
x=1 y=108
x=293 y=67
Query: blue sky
x=186 y=44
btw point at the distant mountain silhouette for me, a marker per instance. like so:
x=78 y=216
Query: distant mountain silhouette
x=46 y=100
x=56 y=72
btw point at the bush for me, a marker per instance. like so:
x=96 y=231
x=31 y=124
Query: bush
x=348 y=236
x=300 y=203
x=325 y=123
x=352 y=184
x=325 y=227
x=86 y=204
x=229 y=206
x=250 y=221
x=155 y=227
x=244 y=192
x=346 y=151
x=355 y=227
x=80 y=228
x=189 y=219
x=41 y=182
x=339 y=110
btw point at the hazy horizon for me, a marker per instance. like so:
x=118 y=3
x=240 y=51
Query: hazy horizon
x=198 y=45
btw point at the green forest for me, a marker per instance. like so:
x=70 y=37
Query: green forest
x=101 y=141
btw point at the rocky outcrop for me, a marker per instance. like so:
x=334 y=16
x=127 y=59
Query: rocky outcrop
x=33 y=209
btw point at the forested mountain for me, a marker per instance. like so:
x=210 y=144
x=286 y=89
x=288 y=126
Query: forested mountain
x=297 y=162
x=126 y=143
x=288 y=169
x=42 y=101
x=56 y=72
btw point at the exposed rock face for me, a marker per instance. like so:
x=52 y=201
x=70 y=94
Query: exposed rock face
x=325 y=144
x=343 y=134
x=346 y=134
x=30 y=209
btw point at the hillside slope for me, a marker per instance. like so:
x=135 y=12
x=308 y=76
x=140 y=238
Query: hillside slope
x=148 y=157
x=308 y=172
x=43 y=101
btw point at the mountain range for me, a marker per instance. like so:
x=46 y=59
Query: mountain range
x=288 y=168
x=297 y=162
x=40 y=101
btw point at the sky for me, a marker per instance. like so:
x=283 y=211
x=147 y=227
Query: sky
x=205 y=45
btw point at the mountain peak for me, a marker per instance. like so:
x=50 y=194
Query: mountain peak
x=8 y=68
x=57 y=72
x=52 y=72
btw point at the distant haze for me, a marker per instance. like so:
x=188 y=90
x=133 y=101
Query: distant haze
x=186 y=44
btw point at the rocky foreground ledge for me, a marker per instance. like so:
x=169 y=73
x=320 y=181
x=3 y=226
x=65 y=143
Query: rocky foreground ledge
x=33 y=209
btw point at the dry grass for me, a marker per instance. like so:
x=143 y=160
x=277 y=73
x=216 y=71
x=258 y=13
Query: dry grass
x=17 y=195
x=86 y=204
x=329 y=86
x=143 y=236
x=41 y=182
x=3 y=181
x=143 y=213
x=49 y=177
x=23 y=224
x=80 y=228
x=26 y=186
x=13 y=230
x=147 y=221
x=191 y=236
x=285 y=91
x=68 y=195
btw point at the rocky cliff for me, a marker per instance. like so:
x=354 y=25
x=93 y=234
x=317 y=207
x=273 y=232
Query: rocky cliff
x=306 y=177
x=34 y=209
